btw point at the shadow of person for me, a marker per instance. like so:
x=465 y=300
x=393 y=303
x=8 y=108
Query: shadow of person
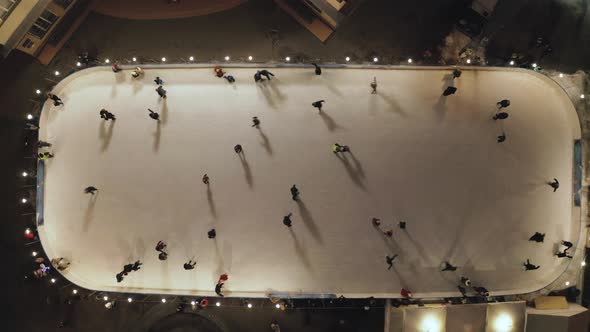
x=357 y=165
x=212 y=208
x=267 y=95
x=105 y=134
x=157 y=135
x=300 y=250
x=164 y=111
x=309 y=221
x=265 y=142
x=440 y=107
x=392 y=102
x=247 y=171
x=352 y=172
x=89 y=213
x=329 y=121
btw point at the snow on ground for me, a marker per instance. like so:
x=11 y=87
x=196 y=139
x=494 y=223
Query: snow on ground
x=415 y=156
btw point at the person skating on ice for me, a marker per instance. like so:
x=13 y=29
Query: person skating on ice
x=376 y=222
x=189 y=265
x=374 y=86
x=482 y=291
x=294 y=193
x=206 y=179
x=90 y=190
x=318 y=70
x=389 y=260
x=554 y=184
x=537 y=237
x=45 y=155
x=161 y=92
x=158 y=81
x=56 y=100
x=218 y=288
x=465 y=281
x=456 y=73
x=462 y=290
x=211 y=233
x=500 y=116
x=154 y=115
x=318 y=104
x=528 y=266
x=502 y=138
x=127 y=268
x=160 y=246
x=266 y=74
x=450 y=90
x=229 y=78
x=503 y=103
x=568 y=245
x=238 y=148
x=563 y=254
x=287 y=220
x=448 y=267
x=137 y=265
x=256 y=122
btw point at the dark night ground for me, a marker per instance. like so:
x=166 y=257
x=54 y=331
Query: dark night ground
x=393 y=30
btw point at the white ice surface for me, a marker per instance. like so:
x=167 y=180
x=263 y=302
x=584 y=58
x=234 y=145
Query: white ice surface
x=416 y=156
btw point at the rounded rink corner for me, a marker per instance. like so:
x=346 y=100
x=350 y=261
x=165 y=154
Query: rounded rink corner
x=415 y=156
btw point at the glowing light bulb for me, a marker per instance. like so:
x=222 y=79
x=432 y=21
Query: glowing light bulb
x=468 y=61
x=511 y=63
x=191 y=58
x=249 y=305
x=288 y=59
x=24 y=200
x=38 y=91
x=106 y=298
x=56 y=73
x=129 y=300
x=217 y=304
x=163 y=59
x=410 y=60
x=29 y=116
x=163 y=300
x=250 y=58
x=34 y=253
x=75 y=291
x=227 y=58
x=53 y=280
x=278 y=306
x=25 y=174
x=375 y=59
x=134 y=59
x=107 y=61
x=347 y=59
x=78 y=64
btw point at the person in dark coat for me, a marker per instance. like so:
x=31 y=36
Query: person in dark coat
x=266 y=74
x=500 y=116
x=154 y=115
x=318 y=70
x=502 y=138
x=294 y=193
x=389 y=260
x=563 y=254
x=318 y=104
x=287 y=220
x=119 y=277
x=568 y=245
x=450 y=90
x=161 y=92
x=482 y=291
x=257 y=77
x=554 y=184
x=449 y=267
x=528 y=266
x=456 y=73
x=238 y=148
x=158 y=80
x=229 y=78
x=189 y=265
x=137 y=265
x=537 y=237
x=255 y=121
x=160 y=246
x=211 y=233
x=163 y=256
x=218 y=289
x=127 y=268
x=503 y=103
x=90 y=190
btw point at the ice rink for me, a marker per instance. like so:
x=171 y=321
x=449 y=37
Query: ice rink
x=416 y=156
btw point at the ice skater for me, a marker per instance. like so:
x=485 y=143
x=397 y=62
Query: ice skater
x=137 y=72
x=376 y=222
x=339 y=148
x=568 y=245
x=294 y=193
x=257 y=77
x=528 y=266
x=161 y=92
x=90 y=190
x=448 y=267
x=482 y=291
x=218 y=71
x=137 y=265
x=462 y=290
x=500 y=116
x=127 y=268
x=116 y=68
x=189 y=265
x=502 y=138
x=56 y=100
x=503 y=103
x=218 y=288
x=163 y=256
x=229 y=78
x=256 y=122
x=266 y=74
x=238 y=148
x=562 y=254
x=211 y=233
x=318 y=70
x=554 y=184
x=465 y=281
x=389 y=260
x=537 y=237
x=388 y=233
x=456 y=73
x=154 y=115
x=406 y=293
x=119 y=277
x=206 y=179
x=287 y=220
x=402 y=224
x=160 y=246
x=318 y=104
x=374 y=86
x=45 y=155
x=159 y=81
x=43 y=144
x=106 y=115
x=450 y=90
